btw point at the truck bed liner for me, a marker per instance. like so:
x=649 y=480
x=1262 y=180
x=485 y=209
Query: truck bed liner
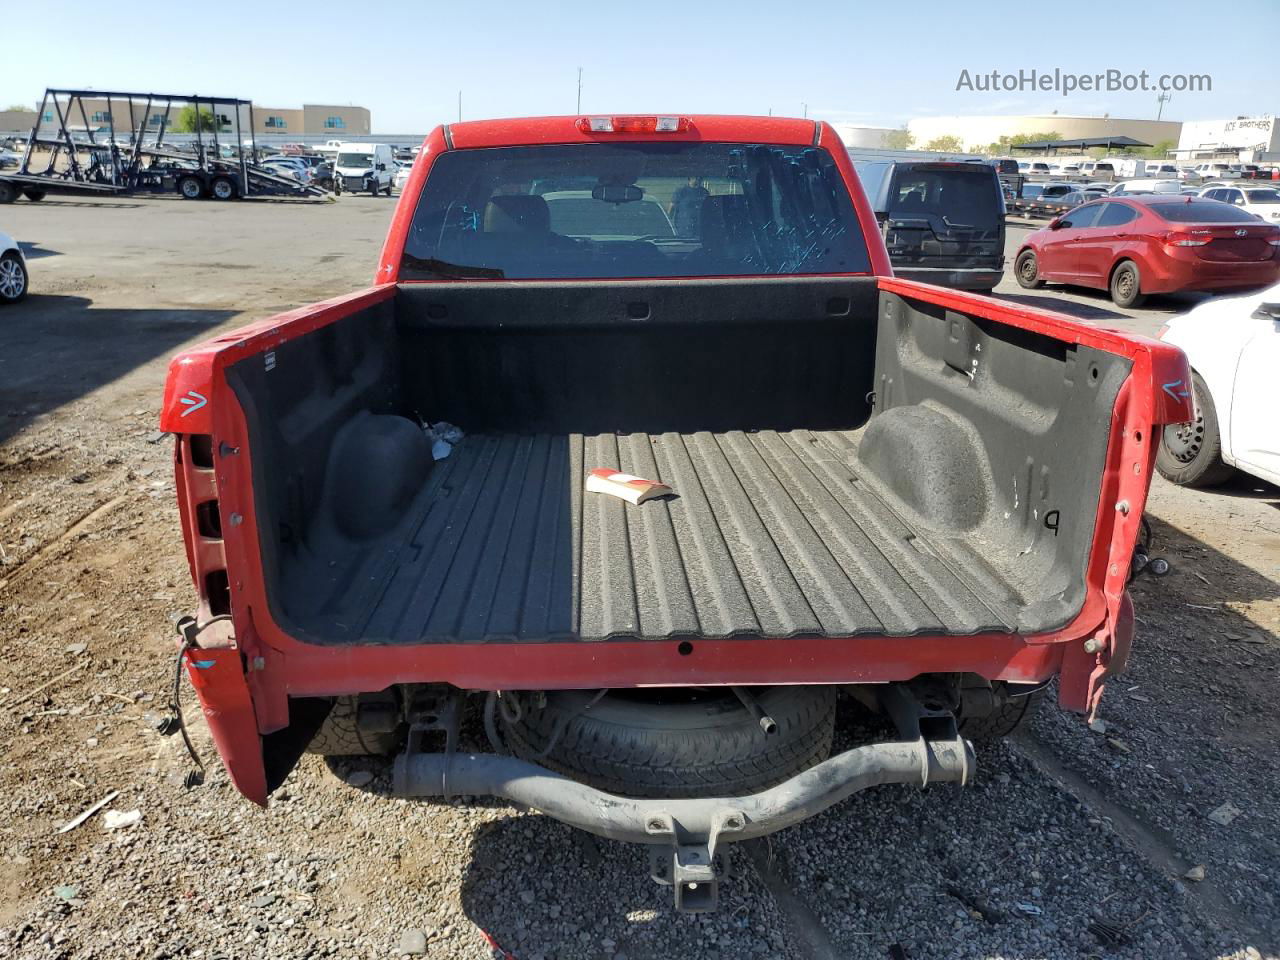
x=770 y=533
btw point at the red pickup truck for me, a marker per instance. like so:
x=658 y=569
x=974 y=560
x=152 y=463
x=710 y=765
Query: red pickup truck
x=923 y=500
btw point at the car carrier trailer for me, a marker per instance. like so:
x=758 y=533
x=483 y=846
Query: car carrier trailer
x=67 y=154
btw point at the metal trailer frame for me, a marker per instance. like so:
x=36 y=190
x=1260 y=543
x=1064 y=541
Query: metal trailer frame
x=111 y=169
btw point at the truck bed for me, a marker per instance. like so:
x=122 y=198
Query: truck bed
x=770 y=533
x=843 y=463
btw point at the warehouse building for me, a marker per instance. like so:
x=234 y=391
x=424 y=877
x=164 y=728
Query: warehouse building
x=854 y=135
x=977 y=132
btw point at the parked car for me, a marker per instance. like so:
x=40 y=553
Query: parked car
x=1005 y=166
x=1233 y=345
x=1131 y=187
x=1162 y=171
x=1153 y=243
x=659 y=670
x=14 y=279
x=943 y=222
x=402 y=174
x=1065 y=170
x=1097 y=168
x=296 y=171
x=1263 y=202
x=1217 y=170
x=1028 y=167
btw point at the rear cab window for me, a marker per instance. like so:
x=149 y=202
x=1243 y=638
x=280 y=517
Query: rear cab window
x=957 y=195
x=637 y=209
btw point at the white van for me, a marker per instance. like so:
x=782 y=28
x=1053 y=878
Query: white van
x=1163 y=170
x=364 y=168
x=1127 y=168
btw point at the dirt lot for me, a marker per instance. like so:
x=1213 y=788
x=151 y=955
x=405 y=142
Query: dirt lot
x=1072 y=843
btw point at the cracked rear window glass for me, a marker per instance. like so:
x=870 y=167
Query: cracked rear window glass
x=617 y=210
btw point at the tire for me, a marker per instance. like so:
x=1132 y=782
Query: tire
x=1011 y=715
x=14 y=279
x=34 y=194
x=373 y=187
x=223 y=188
x=390 y=184
x=339 y=736
x=1126 y=285
x=679 y=743
x=8 y=192
x=190 y=188
x=1190 y=454
x=1027 y=269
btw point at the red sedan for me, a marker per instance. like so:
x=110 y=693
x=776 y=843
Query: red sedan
x=1156 y=243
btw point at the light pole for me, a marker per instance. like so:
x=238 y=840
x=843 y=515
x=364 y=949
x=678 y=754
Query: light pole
x=579 y=110
x=459 y=106
x=1162 y=100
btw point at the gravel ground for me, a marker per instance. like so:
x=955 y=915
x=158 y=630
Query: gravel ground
x=1072 y=843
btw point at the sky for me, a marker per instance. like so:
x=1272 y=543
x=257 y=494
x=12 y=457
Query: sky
x=871 y=63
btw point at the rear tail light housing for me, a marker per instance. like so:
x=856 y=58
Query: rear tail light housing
x=633 y=124
x=1186 y=240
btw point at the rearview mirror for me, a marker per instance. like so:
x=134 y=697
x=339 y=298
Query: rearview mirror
x=1056 y=223
x=1267 y=311
x=617 y=192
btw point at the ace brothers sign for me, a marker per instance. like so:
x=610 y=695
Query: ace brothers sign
x=1249 y=133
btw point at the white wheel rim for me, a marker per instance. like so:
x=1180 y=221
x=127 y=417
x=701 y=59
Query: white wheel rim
x=222 y=189
x=190 y=188
x=11 y=279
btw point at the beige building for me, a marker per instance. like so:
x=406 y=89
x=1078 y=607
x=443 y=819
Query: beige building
x=336 y=122
x=313 y=120
x=277 y=120
x=99 y=115
x=17 y=121
x=979 y=131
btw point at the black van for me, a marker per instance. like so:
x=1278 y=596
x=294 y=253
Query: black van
x=943 y=221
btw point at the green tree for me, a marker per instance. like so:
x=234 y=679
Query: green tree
x=186 y=122
x=1161 y=149
x=901 y=139
x=1020 y=138
x=20 y=107
x=1011 y=140
x=948 y=143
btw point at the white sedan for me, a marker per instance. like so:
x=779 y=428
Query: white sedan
x=13 y=271
x=1233 y=345
x=402 y=175
x=1262 y=202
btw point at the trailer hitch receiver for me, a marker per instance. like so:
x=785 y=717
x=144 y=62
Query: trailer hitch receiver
x=688 y=836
